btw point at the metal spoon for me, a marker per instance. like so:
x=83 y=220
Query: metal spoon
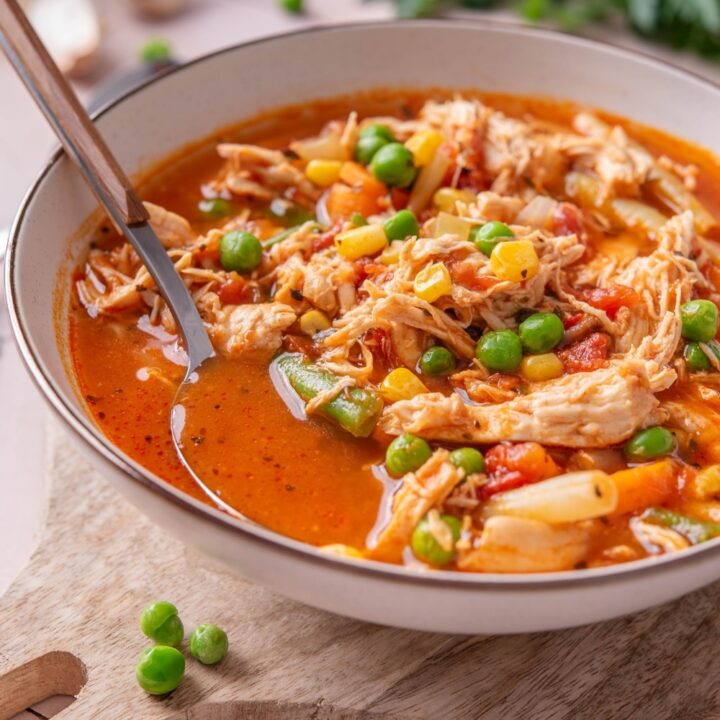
x=85 y=146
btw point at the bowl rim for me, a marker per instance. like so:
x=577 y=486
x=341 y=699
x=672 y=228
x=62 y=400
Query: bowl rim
x=83 y=428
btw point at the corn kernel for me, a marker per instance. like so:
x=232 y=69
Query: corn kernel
x=432 y=282
x=323 y=172
x=423 y=146
x=446 y=224
x=447 y=198
x=401 y=384
x=536 y=368
x=515 y=260
x=707 y=482
x=391 y=254
x=314 y=321
x=359 y=242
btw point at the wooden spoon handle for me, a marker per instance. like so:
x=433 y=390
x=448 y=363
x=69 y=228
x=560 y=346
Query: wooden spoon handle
x=67 y=116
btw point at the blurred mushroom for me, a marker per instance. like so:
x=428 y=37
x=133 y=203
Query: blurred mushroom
x=160 y=8
x=70 y=30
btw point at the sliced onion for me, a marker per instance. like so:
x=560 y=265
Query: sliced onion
x=538 y=213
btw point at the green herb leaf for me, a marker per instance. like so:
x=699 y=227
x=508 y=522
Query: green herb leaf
x=687 y=24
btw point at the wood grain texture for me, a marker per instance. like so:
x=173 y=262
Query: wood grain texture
x=71 y=618
x=58 y=101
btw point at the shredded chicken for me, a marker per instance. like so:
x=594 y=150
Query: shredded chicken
x=173 y=230
x=247 y=329
x=582 y=410
x=257 y=172
x=420 y=491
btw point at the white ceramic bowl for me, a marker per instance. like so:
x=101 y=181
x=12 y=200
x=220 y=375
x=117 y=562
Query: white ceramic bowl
x=228 y=86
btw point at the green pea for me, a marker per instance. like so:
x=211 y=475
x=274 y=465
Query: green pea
x=649 y=443
x=240 y=251
x=699 y=320
x=393 y=165
x=208 y=644
x=437 y=360
x=469 y=459
x=358 y=220
x=541 y=332
x=293 y=6
x=156 y=51
x=405 y=454
x=160 y=622
x=215 y=207
x=401 y=226
x=696 y=359
x=378 y=130
x=160 y=669
x=499 y=351
x=487 y=236
x=370 y=140
x=425 y=547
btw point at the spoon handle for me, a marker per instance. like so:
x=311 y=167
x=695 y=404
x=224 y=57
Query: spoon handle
x=86 y=147
x=69 y=120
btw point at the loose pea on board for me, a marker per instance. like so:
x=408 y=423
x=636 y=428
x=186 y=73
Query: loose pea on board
x=161 y=623
x=160 y=669
x=208 y=644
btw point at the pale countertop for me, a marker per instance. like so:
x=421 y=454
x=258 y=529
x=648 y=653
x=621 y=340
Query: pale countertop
x=25 y=144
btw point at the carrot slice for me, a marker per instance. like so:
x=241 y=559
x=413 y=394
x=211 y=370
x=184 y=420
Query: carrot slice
x=356 y=175
x=343 y=202
x=644 y=486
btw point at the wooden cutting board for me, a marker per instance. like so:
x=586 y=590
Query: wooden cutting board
x=69 y=625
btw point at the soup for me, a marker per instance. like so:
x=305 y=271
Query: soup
x=469 y=332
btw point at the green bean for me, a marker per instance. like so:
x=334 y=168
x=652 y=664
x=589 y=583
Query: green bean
x=357 y=410
x=283 y=235
x=696 y=531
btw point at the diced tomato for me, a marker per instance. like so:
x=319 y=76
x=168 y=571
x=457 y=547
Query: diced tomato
x=465 y=273
x=567 y=219
x=367 y=267
x=400 y=198
x=472 y=179
x=586 y=355
x=512 y=465
x=299 y=343
x=572 y=320
x=326 y=239
x=610 y=299
x=234 y=291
